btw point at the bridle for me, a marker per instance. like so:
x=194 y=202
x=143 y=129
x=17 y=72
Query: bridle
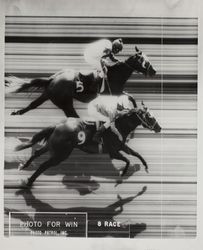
x=144 y=122
x=148 y=66
x=132 y=68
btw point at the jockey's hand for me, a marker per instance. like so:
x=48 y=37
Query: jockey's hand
x=121 y=113
x=113 y=58
x=107 y=52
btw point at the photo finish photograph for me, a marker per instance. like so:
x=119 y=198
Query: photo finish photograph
x=101 y=120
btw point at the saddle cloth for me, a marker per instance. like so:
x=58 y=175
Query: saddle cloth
x=93 y=122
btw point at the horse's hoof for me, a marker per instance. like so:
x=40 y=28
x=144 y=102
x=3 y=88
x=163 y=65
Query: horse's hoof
x=146 y=170
x=20 y=166
x=21 y=191
x=18 y=112
x=118 y=182
x=144 y=189
x=25 y=185
x=122 y=173
x=146 y=167
x=14 y=113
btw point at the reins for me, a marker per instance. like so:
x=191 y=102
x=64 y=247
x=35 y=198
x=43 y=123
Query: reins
x=135 y=69
x=108 y=85
x=143 y=122
x=129 y=66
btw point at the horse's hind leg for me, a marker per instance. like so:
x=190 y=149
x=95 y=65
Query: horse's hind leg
x=36 y=154
x=69 y=110
x=53 y=161
x=45 y=165
x=33 y=105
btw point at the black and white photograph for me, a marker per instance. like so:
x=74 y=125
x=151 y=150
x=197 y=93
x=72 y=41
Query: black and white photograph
x=100 y=121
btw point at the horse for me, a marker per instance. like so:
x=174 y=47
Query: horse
x=61 y=139
x=61 y=89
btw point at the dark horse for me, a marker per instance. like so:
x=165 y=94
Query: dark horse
x=61 y=139
x=61 y=90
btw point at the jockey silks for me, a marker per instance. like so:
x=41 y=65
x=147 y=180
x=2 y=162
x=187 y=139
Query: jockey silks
x=95 y=51
x=105 y=108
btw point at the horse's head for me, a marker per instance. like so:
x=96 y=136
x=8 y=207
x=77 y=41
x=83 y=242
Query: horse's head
x=148 y=120
x=140 y=63
x=145 y=117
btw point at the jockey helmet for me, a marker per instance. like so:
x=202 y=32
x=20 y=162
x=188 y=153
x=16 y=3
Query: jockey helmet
x=117 y=45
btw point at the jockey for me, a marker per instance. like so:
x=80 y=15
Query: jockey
x=101 y=54
x=107 y=109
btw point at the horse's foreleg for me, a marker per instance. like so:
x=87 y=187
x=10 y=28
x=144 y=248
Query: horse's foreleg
x=36 y=154
x=130 y=151
x=33 y=105
x=119 y=156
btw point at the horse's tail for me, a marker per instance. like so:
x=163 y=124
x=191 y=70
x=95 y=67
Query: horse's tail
x=44 y=134
x=16 y=84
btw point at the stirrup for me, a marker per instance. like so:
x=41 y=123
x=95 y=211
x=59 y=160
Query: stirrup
x=103 y=85
x=100 y=146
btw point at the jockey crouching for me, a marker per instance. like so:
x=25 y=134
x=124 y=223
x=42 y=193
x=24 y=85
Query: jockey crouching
x=107 y=109
x=100 y=55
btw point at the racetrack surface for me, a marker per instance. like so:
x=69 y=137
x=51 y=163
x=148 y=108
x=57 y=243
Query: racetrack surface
x=168 y=206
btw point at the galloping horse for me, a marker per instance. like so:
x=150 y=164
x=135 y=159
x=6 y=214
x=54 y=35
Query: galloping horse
x=77 y=133
x=61 y=90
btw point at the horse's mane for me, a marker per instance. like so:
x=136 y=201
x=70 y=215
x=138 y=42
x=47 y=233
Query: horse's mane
x=127 y=59
x=126 y=115
x=117 y=65
x=121 y=63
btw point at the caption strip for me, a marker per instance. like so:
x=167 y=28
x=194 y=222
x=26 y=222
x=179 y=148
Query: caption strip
x=63 y=224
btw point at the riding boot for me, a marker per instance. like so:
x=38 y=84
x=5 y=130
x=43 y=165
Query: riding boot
x=115 y=131
x=98 y=134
